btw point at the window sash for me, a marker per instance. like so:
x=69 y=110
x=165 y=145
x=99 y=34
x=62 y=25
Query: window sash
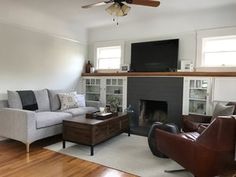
x=109 y=60
x=109 y=63
x=219 y=52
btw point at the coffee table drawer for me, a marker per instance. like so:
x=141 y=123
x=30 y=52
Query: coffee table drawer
x=79 y=134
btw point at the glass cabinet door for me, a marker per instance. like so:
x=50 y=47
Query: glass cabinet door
x=198 y=96
x=92 y=87
x=114 y=92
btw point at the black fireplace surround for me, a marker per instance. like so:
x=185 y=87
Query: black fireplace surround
x=167 y=89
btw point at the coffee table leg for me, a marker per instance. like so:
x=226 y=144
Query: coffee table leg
x=63 y=144
x=129 y=132
x=91 y=150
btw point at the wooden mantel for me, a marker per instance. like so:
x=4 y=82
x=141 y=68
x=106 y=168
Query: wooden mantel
x=178 y=74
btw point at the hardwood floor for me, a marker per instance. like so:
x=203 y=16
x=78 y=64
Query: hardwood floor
x=14 y=162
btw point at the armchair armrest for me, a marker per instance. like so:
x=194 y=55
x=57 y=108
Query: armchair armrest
x=192 y=122
x=197 y=118
x=183 y=147
x=17 y=124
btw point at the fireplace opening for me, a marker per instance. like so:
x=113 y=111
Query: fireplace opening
x=152 y=111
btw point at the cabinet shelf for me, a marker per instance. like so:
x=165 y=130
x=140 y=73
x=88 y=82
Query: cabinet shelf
x=195 y=88
x=197 y=99
x=92 y=101
x=93 y=93
x=195 y=113
x=115 y=94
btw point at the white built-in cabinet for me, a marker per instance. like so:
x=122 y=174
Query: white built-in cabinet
x=197 y=96
x=104 y=90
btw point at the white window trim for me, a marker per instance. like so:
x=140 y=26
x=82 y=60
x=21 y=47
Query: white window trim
x=108 y=44
x=231 y=31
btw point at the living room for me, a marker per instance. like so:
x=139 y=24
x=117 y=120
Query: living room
x=45 y=47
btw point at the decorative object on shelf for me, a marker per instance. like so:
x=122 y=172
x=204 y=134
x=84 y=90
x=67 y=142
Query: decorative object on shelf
x=114 y=103
x=124 y=68
x=88 y=67
x=117 y=91
x=186 y=65
x=92 y=70
x=102 y=109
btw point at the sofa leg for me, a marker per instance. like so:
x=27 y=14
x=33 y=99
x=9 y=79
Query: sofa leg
x=27 y=147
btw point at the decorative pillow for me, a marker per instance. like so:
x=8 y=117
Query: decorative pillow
x=68 y=100
x=222 y=110
x=54 y=99
x=230 y=104
x=42 y=100
x=14 y=100
x=80 y=99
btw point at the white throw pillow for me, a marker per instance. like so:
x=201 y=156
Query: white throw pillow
x=222 y=110
x=80 y=99
x=68 y=100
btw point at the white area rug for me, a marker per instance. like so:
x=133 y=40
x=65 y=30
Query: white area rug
x=129 y=154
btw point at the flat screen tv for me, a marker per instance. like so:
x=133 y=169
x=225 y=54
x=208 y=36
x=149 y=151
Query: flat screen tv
x=155 y=56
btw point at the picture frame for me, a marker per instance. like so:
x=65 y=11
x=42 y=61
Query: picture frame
x=124 y=68
x=186 y=65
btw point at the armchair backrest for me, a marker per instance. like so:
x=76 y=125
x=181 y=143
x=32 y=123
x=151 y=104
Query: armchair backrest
x=220 y=134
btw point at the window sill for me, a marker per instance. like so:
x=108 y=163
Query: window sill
x=216 y=69
x=107 y=70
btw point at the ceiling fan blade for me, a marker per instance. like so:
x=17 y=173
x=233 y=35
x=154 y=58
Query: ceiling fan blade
x=97 y=4
x=151 y=3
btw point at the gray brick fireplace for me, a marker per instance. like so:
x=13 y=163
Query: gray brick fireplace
x=168 y=90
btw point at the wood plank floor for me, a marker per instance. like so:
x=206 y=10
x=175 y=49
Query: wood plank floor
x=14 y=162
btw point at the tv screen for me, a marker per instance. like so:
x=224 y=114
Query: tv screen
x=155 y=56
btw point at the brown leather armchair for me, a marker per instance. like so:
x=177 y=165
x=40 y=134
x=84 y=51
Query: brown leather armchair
x=205 y=155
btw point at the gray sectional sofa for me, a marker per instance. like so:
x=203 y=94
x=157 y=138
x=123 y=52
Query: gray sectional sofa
x=29 y=126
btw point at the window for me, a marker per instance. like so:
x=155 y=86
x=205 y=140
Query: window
x=109 y=57
x=219 y=51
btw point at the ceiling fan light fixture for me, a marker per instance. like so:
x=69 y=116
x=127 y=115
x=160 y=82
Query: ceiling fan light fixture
x=118 y=9
x=113 y=9
x=125 y=9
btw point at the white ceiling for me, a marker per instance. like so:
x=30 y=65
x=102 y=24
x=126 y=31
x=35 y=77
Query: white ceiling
x=67 y=19
x=70 y=11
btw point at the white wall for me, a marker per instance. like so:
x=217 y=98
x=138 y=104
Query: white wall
x=34 y=60
x=22 y=14
x=183 y=26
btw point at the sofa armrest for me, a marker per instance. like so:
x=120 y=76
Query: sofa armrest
x=17 y=124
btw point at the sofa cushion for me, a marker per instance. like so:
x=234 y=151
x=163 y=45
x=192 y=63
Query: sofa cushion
x=42 y=100
x=54 y=99
x=81 y=110
x=80 y=99
x=68 y=100
x=14 y=100
x=46 y=119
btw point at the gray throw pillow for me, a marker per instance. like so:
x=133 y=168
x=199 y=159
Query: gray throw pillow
x=14 y=100
x=222 y=110
x=42 y=100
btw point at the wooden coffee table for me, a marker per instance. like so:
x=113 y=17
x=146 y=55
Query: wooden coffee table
x=91 y=132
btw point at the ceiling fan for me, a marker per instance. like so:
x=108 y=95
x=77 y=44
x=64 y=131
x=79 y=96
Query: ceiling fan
x=119 y=8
